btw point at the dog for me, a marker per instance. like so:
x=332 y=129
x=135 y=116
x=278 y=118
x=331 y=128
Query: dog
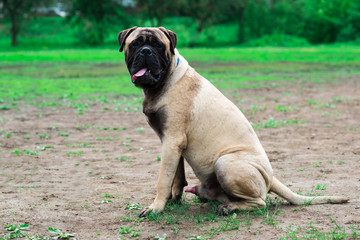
x=196 y=122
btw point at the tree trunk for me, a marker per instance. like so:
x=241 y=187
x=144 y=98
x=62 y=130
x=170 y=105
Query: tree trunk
x=241 y=33
x=14 y=31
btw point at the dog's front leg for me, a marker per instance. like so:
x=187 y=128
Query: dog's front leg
x=170 y=158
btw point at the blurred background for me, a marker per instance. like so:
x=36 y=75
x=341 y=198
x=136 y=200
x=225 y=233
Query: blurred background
x=206 y=23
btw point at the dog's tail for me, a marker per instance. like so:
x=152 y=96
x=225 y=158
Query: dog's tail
x=284 y=192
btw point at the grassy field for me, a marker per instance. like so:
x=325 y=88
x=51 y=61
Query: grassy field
x=85 y=73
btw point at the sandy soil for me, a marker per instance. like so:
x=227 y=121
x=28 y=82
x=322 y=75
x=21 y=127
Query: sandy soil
x=116 y=152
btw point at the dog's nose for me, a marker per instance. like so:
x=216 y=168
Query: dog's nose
x=146 y=51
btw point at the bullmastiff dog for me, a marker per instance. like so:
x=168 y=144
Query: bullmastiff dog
x=196 y=122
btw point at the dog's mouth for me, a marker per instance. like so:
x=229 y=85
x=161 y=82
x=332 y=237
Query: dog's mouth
x=146 y=73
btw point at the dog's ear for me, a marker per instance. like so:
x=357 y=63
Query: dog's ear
x=123 y=35
x=172 y=37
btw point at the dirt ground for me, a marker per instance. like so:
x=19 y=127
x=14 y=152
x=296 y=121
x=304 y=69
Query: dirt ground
x=72 y=160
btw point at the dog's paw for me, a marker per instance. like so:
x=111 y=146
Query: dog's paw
x=152 y=209
x=224 y=210
x=145 y=213
x=176 y=196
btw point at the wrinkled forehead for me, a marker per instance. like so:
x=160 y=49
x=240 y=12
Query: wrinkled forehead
x=148 y=34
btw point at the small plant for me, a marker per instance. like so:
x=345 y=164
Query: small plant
x=256 y=108
x=320 y=187
x=163 y=237
x=7 y=135
x=15 y=231
x=17 y=152
x=126 y=159
x=63 y=134
x=31 y=153
x=130 y=230
x=134 y=206
x=140 y=129
x=43 y=135
x=283 y=108
x=317 y=164
x=58 y=234
x=43 y=148
x=271 y=123
x=75 y=153
x=107 y=195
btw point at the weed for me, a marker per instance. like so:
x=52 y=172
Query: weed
x=256 y=108
x=58 y=234
x=17 y=152
x=163 y=237
x=129 y=230
x=140 y=129
x=31 y=153
x=126 y=159
x=340 y=162
x=134 y=206
x=75 y=153
x=43 y=148
x=312 y=232
x=317 y=164
x=15 y=231
x=64 y=134
x=107 y=195
x=320 y=187
x=283 y=108
x=43 y=135
x=271 y=123
x=6 y=135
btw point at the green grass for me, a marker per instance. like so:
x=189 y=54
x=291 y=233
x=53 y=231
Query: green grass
x=100 y=73
x=175 y=215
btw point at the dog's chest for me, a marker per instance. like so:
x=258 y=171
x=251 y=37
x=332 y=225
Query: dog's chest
x=157 y=120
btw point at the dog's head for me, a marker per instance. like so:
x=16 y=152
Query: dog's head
x=148 y=54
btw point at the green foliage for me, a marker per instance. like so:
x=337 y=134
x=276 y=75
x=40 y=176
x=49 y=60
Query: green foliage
x=197 y=23
x=94 y=19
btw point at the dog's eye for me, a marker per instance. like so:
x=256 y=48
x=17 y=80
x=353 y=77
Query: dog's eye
x=157 y=45
x=135 y=44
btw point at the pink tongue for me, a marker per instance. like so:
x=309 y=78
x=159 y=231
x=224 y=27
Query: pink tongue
x=140 y=72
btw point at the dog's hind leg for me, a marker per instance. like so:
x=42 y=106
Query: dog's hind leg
x=179 y=181
x=245 y=178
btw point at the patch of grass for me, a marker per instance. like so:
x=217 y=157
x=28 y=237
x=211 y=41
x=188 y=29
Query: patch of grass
x=320 y=187
x=15 y=231
x=77 y=74
x=283 y=108
x=272 y=123
x=312 y=232
x=63 y=134
x=75 y=153
x=177 y=213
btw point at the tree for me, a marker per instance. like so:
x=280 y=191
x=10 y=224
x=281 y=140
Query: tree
x=157 y=10
x=94 y=18
x=16 y=10
x=208 y=12
x=19 y=10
